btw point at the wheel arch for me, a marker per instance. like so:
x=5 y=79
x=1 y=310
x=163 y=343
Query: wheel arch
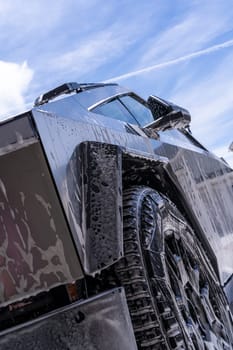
x=101 y=172
x=138 y=170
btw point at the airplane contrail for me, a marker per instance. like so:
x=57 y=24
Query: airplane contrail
x=203 y=52
x=187 y=57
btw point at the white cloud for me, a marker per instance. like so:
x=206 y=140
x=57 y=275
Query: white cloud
x=28 y=15
x=90 y=54
x=192 y=31
x=15 y=80
x=224 y=152
x=208 y=96
x=172 y=62
x=96 y=50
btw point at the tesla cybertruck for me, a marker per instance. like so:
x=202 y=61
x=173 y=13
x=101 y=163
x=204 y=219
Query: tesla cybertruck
x=116 y=226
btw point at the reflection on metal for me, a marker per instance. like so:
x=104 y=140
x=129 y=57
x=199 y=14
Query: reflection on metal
x=207 y=186
x=60 y=137
x=195 y=170
x=36 y=250
x=167 y=115
x=98 y=323
x=96 y=169
x=68 y=88
x=192 y=307
x=63 y=172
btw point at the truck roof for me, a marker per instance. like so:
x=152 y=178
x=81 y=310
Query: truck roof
x=68 y=88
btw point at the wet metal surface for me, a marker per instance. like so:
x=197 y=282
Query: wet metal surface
x=205 y=180
x=94 y=179
x=100 y=323
x=60 y=137
x=36 y=249
x=62 y=170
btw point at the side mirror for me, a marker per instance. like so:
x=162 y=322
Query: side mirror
x=167 y=115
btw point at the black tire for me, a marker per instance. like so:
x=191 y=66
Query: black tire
x=174 y=297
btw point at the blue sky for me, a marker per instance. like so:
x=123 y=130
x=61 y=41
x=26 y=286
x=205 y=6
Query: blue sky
x=179 y=50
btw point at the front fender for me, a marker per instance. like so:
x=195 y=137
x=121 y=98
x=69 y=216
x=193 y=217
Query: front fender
x=94 y=182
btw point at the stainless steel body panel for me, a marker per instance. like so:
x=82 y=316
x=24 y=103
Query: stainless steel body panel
x=60 y=137
x=206 y=183
x=63 y=173
x=99 y=323
x=36 y=248
x=205 y=179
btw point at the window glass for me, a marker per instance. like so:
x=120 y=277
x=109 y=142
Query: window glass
x=175 y=136
x=116 y=110
x=138 y=109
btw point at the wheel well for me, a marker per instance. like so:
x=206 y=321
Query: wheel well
x=145 y=172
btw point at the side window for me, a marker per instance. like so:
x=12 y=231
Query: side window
x=179 y=137
x=126 y=108
x=115 y=109
x=137 y=109
x=173 y=135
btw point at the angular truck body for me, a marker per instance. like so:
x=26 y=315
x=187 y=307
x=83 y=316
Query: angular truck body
x=116 y=226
